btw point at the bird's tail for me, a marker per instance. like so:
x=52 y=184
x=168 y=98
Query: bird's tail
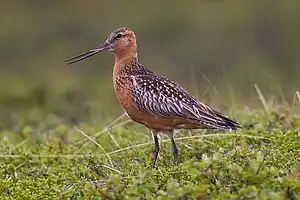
x=225 y=123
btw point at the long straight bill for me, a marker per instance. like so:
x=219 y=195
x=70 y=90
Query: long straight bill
x=81 y=56
x=87 y=54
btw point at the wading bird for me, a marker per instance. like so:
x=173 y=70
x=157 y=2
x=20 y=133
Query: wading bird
x=153 y=100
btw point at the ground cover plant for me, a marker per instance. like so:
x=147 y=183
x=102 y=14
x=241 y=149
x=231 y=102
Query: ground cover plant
x=59 y=159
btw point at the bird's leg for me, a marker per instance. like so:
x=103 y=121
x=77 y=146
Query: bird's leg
x=174 y=150
x=174 y=147
x=156 y=148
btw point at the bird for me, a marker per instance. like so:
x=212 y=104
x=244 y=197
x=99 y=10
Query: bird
x=152 y=100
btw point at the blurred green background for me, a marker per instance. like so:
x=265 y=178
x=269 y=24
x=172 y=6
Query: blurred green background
x=216 y=49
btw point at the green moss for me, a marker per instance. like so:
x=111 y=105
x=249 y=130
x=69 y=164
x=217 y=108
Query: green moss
x=54 y=163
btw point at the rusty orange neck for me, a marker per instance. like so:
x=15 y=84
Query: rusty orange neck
x=123 y=58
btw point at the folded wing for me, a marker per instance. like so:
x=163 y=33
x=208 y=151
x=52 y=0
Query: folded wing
x=159 y=96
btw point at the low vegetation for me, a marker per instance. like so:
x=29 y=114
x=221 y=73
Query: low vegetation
x=60 y=160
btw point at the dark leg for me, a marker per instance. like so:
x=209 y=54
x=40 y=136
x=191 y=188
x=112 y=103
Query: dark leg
x=156 y=149
x=174 y=149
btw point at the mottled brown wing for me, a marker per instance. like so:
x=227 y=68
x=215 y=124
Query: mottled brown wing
x=159 y=96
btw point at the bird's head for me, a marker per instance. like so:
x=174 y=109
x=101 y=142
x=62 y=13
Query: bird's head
x=121 y=42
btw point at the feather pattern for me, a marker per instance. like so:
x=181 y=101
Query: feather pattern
x=159 y=96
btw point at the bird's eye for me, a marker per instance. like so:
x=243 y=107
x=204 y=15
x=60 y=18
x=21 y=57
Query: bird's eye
x=119 y=36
